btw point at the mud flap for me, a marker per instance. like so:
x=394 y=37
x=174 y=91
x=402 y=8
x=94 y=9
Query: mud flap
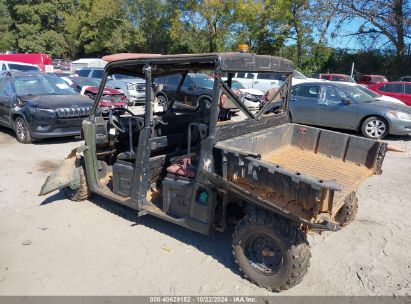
x=68 y=174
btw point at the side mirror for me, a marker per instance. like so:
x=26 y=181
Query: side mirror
x=191 y=87
x=346 y=100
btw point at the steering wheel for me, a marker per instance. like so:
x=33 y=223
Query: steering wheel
x=117 y=124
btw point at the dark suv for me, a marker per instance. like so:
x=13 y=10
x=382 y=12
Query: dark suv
x=37 y=105
x=195 y=89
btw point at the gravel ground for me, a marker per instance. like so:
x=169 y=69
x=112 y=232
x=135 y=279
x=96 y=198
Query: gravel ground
x=51 y=246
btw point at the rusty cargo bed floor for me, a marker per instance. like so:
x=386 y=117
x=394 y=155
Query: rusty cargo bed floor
x=319 y=166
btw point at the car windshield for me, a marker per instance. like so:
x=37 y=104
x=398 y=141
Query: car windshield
x=85 y=81
x=42 y=85
x=204 y=82
x=379 y=79
x=122 y=76
x=357 y=94
x=22 y=67
x=298 y=75
x=368 y=91
x=236 y=85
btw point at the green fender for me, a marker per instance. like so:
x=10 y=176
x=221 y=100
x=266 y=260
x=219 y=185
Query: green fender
x=68 y=174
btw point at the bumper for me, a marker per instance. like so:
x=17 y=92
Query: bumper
x=55 y=127
x=136 y=96
x=400 y=127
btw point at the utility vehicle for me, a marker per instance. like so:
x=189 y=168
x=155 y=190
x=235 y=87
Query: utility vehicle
x=273 y=179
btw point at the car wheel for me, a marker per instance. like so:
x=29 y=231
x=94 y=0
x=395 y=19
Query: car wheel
x=162 y=101
x=374 y=127
x=271 y=251
x=22 y=131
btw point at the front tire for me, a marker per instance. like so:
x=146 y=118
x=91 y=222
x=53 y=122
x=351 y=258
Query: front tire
x=162 y=101
x=82 y=193
x=271 y=251
x=374 y=127
x=22 y=131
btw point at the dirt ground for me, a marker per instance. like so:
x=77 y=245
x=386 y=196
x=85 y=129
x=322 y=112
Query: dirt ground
x=51 y=246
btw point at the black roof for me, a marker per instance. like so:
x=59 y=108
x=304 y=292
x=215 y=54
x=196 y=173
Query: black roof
x=226 y=62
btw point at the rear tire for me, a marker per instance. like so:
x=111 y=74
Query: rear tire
x=348 y=211
x=22 y=131
x=271 y=251
x=82 y=193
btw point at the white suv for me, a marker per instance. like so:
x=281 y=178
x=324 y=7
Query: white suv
x=259 y=81
x=266 y=81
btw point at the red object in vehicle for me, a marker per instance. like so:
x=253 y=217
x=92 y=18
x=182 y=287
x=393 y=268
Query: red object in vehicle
x=111 y=98
x=372 y=79
x=398 y=89
x=41 y=60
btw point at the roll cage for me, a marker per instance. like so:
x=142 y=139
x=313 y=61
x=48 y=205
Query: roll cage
x=153 y=66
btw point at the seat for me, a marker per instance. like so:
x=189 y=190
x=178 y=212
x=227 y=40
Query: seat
x=127 y=155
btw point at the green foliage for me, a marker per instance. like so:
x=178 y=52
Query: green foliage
x=6 y=37
x=80 y=28
x=264 y=25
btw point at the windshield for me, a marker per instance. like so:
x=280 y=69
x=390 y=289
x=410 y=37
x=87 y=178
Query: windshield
x=86 y=81
x=236 y=85
x=204 y=82
x=298 y=75
x=21 y=67
x=122 y=76
x=368 y=91
x=379 y=79
x=42 y=85
x=357 y=94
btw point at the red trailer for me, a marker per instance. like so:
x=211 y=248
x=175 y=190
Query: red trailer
x=43 y=61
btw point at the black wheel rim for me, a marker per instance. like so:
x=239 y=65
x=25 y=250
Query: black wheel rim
x=20 y=130
x=264 y=254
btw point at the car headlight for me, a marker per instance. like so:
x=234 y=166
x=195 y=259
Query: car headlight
x=130 y=86
x=42 y=112
x=401 y=115
x=248 y=96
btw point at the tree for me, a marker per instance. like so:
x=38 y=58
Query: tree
x=6 y=37
x=264 y=25
x=201 y=26
x=388 y=20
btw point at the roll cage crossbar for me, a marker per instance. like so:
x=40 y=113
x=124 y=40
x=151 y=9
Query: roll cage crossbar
x=229 y=63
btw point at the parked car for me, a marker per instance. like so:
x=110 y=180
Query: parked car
x=43 y=61
x=338 y=105
x=371 y=79
x=377 y=96
x=133 y=87
x=334 y=77
x=405 y=78
x=260 y=81
x=250 y=97
x=17 y=66
x=89 y=87
x=195 y=90
x=37 y=105
x=397 y=89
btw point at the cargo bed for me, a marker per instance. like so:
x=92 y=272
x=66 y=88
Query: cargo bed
x=299 y=170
